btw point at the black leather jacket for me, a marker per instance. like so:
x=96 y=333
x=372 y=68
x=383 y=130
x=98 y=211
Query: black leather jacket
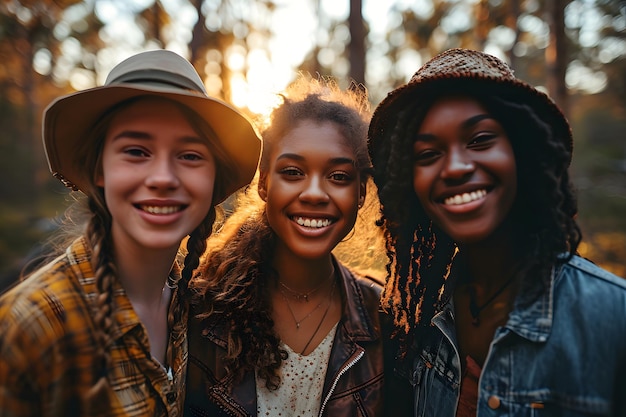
x=354 y=379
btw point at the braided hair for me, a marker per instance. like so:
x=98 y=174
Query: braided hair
x=98 y=236
x=235 y=277
x=420 y=255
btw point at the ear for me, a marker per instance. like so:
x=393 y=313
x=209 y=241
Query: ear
x=362 y=193
x=262 y=187
x=99 y=180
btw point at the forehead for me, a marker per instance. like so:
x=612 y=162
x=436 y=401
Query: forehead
x=310 y=137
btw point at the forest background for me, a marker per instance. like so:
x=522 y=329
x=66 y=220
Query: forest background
x=246 y=51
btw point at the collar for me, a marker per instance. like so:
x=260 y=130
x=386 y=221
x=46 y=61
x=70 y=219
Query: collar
x=356 y=319
x=532 y=316
x=123 y=314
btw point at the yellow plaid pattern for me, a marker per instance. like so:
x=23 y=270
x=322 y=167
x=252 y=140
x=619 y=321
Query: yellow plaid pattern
x=48 y=348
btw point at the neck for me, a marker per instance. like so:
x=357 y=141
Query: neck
x=143 y=275
x=303 y=275
x=489 y=265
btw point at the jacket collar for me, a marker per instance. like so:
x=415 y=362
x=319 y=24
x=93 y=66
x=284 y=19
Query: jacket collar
x=359 y=325
x=532 y=314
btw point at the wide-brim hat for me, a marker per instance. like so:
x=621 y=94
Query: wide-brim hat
x=68 y=120
x=452 y=68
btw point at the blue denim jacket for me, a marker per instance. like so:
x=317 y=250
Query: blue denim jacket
x=563 y=354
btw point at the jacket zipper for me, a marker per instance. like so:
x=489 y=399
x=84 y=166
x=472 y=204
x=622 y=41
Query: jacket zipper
x=343 y=371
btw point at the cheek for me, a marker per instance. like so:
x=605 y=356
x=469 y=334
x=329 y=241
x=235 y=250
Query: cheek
x=421 y=184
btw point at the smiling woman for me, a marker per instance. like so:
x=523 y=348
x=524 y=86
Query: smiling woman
x=101 y=329
x=271 y=285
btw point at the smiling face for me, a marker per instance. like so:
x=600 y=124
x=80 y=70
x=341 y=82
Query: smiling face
x=464 y=171
x=312 y=189
x=157 y=174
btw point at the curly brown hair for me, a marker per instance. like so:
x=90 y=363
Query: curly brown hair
x=235 y=276
x=420 y=255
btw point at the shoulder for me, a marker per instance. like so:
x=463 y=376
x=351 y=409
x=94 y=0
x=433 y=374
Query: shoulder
x=585 y=273
x=39 y=310
x=366 y=283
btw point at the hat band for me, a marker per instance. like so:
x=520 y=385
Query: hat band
x=158 y=78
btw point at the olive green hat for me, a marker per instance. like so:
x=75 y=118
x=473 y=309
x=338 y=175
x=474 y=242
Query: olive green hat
x=68 y=120
x=456 y=66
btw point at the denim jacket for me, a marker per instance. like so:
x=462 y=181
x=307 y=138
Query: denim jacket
x=562 y=354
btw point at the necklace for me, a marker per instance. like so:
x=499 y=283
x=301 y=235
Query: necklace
x=475 y=309
x=303 y=295
x=330 y=301
x=299 y=322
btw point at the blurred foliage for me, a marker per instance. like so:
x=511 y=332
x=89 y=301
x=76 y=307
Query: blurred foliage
x=48 y=48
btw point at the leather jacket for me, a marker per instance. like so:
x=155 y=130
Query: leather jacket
x=354 y=379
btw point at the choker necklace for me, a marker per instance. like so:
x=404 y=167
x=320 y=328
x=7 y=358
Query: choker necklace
x=475 y=309
x=303 y=295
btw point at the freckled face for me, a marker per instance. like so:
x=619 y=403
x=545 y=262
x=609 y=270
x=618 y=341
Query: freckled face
x=464 y=171
x=312 y=189
x=158 y=177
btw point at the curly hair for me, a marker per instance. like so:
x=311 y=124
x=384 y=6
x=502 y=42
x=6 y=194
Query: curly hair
x=97 y=233
x=420 y=256
x=235 y=277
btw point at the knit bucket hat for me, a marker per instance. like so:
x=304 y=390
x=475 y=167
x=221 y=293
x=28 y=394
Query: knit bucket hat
x=68 y=120
x=453 y=68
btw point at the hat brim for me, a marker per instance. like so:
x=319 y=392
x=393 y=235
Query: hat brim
x=385 y=114
x=69 y=119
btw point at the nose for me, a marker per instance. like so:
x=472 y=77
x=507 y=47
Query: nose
x=458 y=165
x=314 y=192
x=162 y=174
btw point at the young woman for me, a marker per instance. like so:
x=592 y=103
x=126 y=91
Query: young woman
x=494 y=312
x=281 y=327
x=101 y=330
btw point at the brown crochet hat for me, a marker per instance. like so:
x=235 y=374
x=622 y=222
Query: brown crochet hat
x=69 y=119
x=458 y=66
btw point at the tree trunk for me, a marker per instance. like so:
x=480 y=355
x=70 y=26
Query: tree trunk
x=556 y=54
x=357 y=41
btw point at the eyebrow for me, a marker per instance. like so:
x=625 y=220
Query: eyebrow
x=334 y=161
x=135 y=134
x=426 y=137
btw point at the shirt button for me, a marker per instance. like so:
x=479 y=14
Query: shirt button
x=493 y=402
x=171 y=397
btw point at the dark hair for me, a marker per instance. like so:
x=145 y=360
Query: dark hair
x=97 y=231
x=235 y=276
x=420 y=255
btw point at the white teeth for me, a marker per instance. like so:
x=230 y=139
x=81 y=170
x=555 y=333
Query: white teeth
x=161 y=209
x=465 y=197
x=315 y=223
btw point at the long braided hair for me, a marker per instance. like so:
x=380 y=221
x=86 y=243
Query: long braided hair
x=98 y=235
x=235 y=277
x=420 y=255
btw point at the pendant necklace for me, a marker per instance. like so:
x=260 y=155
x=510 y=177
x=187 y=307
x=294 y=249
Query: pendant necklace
x=293 y=314
x=475 y=309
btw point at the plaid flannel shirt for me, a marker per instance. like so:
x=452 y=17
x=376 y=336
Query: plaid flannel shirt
x=48 y=349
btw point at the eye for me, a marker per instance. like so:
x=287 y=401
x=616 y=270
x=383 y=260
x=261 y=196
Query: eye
x=291 y=172
x=340 y=176
x=191 y=157
x=481 y=141
x=135 y=152
x=425 y=156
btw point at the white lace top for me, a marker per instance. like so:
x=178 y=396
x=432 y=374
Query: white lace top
x=302 y=381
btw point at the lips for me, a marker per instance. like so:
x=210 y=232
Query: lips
x=314 y=223
x=464 y=198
